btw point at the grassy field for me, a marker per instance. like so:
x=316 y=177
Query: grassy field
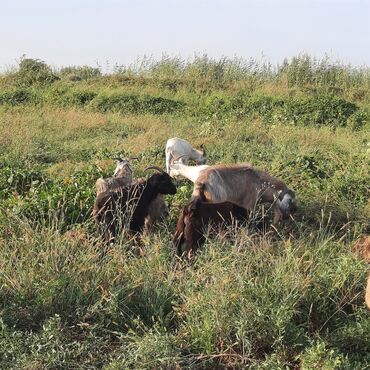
x=292 y=298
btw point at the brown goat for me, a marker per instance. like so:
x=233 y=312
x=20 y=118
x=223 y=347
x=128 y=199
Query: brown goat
x=361 y=248
x=112 y=207
x=122 y=178
x=197 y=216
x=245 y=186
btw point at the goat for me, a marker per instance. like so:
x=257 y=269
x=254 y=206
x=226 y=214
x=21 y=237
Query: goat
x=177 y=147
x=111 y=205
x=196 y=216
x=158 y=209
x=361 y=248
x=190 y=172
x=122 y=177
x=245 y=186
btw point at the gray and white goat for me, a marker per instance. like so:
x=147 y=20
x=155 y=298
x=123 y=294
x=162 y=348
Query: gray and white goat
x=122 y=178
x=245 y=186
x=182 y=149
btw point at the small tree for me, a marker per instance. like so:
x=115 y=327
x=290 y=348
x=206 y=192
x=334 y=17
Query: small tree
x=34 y=71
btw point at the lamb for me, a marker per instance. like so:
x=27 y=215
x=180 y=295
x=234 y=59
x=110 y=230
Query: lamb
x=197 y=216
x=245 y=186
x=177 y=147
x=122 y=177
x=190 y=172
x=111 y=207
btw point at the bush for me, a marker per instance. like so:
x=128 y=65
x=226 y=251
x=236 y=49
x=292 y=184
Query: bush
x=135 y=104
x=79 y=73
x=319 y=110
x=18 y=179
x=18 y=96
x=319 y=356
x=34 y=71
x=153 y=349
x=65 y=96
x=359 y=119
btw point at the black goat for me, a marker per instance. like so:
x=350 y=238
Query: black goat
x=197 y=216
x=133 y=202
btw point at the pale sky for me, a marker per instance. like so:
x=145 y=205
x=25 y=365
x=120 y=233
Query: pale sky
x=78 y=32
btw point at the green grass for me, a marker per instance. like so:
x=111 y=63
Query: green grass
x=292 y=298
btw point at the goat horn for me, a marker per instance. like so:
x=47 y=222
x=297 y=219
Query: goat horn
x=119 y=159
x=155 y=168
x=131 y=158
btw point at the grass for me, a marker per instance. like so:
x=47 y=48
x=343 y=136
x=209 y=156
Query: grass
x=286 y=299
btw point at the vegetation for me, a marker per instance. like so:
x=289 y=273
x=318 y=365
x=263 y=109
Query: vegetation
x=290 y=298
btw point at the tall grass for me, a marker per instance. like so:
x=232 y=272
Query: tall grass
x=245 y=300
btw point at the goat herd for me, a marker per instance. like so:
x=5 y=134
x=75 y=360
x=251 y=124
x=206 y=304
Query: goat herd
x=222 y=194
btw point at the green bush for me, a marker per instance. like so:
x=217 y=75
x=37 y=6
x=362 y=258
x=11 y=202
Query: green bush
x=319 y=356
x=79 y=73
x=153 y=349
x=65 y=96
x=359 y=119
x=34 y=72
x=18 y=179
x=319 y=110
x=18 y=96
x=135 y=104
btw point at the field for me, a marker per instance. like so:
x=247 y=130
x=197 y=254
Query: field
x=289 y=298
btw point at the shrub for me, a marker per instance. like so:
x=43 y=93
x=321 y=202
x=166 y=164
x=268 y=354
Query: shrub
x=18 y=96
x=65 y=96
x=319 y=356
x=153 y=349
x=359 y=119
x=79 y=73
x=319 y=110
x=18 y=179
x=34 y=71
x=135 y=104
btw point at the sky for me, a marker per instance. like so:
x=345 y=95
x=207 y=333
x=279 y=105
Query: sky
x=109 y=32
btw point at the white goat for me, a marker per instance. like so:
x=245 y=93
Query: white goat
x=190 y=172
x=177 y=147
x=245 y=186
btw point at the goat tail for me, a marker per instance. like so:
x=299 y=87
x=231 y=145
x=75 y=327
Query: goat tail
x=199 y=193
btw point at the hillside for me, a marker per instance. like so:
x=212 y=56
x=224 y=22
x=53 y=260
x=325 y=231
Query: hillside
x=291 y=298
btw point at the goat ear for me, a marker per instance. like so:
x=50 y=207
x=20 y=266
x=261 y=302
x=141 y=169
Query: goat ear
x=203 y=149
